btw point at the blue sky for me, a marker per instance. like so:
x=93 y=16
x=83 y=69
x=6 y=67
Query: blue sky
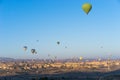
x=25 y=21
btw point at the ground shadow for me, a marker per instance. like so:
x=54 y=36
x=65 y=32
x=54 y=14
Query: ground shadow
x=74 y=75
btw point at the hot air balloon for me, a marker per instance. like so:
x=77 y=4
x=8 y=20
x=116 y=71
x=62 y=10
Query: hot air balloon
x=99 y=59
x=58 y=42
x=101 y=47
x=55 y=57
x=37 y=40
x=86 y=7
x=48 y=55
x=81 y=58
x=25 y=48
x=33 y=51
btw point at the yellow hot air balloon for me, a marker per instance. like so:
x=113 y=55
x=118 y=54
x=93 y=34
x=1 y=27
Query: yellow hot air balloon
x=81 y=58
x=86 y=7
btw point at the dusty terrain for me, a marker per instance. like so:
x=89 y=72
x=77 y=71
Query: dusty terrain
x=94 y=70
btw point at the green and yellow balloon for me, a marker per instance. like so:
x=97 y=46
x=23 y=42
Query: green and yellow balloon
x=86 y=7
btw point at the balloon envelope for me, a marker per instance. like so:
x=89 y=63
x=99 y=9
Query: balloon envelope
x=37 y=40
x=25 y=48
x=48 y=54
x=86 y=7
x=33 y=51
x=58 y=42
x=81 y=58
x=99 y=59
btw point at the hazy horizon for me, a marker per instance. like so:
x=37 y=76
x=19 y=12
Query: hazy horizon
x=23 y=22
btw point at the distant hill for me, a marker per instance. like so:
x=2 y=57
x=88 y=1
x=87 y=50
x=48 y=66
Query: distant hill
x=6 y=59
